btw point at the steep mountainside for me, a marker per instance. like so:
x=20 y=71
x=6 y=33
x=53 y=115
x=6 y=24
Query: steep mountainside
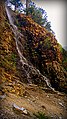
x=8 y=52
x=27 y=63
x=44 y=52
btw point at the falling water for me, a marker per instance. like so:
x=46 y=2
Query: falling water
x=30 y=69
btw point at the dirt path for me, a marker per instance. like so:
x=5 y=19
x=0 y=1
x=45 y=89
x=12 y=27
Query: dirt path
x=34 y=99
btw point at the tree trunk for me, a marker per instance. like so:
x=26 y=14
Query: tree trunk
x=15 y=6
x=27 y=5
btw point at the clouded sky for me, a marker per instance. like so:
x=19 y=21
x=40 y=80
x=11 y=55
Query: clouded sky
x=56 y=12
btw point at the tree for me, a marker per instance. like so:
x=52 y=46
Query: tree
x=27 y=5
x=16 y=3
x=38 y=15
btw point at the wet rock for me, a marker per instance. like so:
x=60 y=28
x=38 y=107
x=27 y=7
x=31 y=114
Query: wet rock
x=60 y=118
x=20 y=109
x=61 y=104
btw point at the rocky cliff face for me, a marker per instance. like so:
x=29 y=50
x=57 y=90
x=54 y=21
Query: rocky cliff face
x=8 y=52
x=44 y=51
x=35 y=58
x=38 y=46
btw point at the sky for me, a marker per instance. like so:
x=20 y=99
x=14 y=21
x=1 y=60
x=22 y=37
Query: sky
x=56 y=12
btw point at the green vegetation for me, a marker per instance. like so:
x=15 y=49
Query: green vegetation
x=38 y=15
x=16 y=3
x=64 y=62
x=41 y=115
x=13 y=58
x=47 y=43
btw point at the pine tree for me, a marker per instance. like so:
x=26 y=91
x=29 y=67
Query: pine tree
x=27 y=6
x=16 y=3
x=38 y=15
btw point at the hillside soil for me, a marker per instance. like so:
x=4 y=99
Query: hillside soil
x=34 y=99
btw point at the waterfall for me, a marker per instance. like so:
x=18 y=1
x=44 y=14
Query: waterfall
x=30 y=69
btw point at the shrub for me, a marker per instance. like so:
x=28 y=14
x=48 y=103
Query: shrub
x=41 y=115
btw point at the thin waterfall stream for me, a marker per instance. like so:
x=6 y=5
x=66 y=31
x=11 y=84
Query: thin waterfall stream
x=30 y=69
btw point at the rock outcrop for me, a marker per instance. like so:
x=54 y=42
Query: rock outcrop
x=44 y=51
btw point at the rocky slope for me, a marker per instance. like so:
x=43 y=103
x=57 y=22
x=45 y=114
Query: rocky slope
x=44 y=52
x=14 y=85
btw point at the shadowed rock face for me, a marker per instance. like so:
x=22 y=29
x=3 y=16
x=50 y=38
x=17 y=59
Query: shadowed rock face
x=44 y=51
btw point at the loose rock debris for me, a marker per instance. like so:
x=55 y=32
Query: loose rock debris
x=20 y=109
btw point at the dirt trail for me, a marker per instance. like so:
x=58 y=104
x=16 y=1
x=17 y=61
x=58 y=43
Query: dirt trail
x=34 y=99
